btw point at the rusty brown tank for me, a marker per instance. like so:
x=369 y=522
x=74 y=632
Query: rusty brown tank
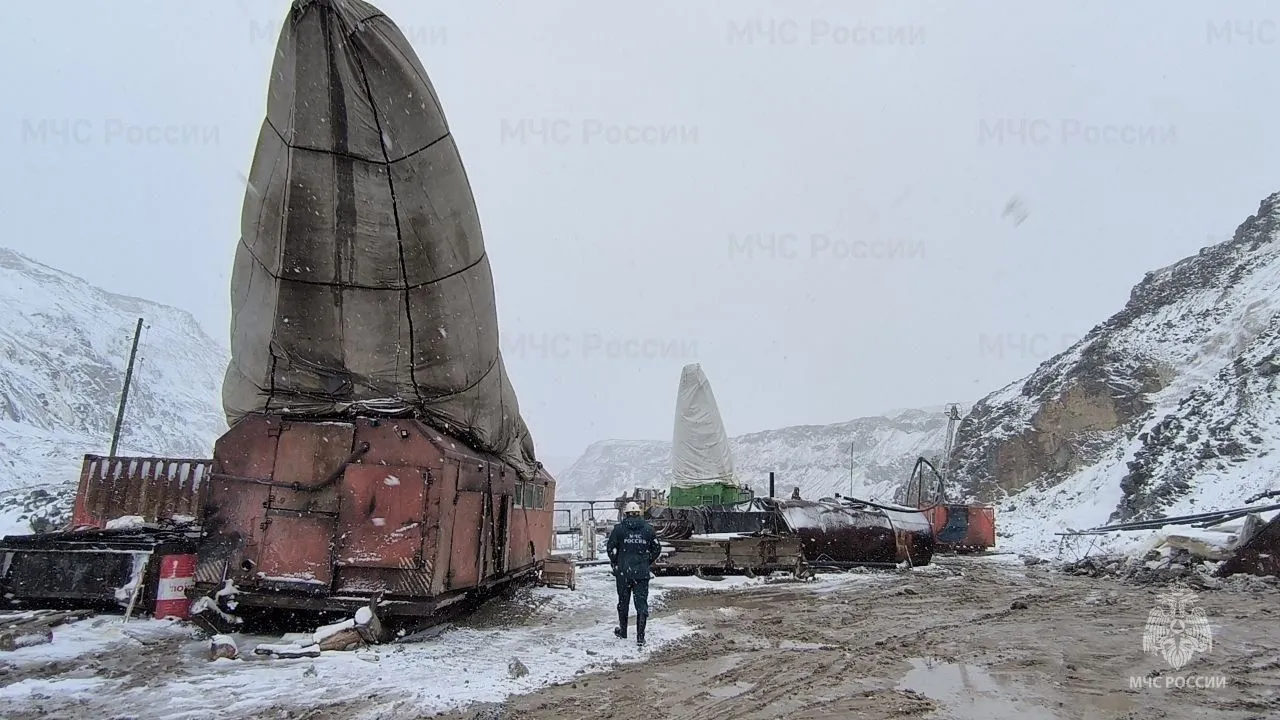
x=329 y=515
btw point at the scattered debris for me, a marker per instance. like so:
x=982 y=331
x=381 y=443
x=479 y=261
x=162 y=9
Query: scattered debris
x=223 y=646
x=517 y=669
x=25 y=637
x=24 y=629
x=342 y=640
x=1155 y=568
x=288 y=652
x=1258 y=554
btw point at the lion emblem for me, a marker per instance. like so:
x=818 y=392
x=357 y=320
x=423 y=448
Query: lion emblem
x=1177 y=629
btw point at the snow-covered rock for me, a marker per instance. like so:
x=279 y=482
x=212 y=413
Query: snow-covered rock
x=813 y=457
x=64 y=346
x=1167 y=408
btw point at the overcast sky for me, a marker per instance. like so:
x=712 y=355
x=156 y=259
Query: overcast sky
x=808 y=198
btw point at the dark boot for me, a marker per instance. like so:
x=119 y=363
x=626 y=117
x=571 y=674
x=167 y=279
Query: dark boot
x=640 y=623
x=621 y=630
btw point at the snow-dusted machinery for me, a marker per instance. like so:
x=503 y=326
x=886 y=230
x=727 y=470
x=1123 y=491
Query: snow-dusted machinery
x=327 y=516
x=754 y=533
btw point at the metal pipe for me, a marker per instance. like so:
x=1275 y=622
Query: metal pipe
x=124 y=393
x=1158 y=523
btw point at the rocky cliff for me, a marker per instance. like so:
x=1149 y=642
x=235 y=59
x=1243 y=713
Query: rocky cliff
x=1168 y=406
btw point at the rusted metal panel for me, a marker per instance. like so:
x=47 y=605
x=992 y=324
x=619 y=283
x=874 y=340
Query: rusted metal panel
x=506 y=505
x=405 y=443
x=1259 y=555
x=311 y=452
x=440 y=517
x=520 y=552
x=151 y=488
x=382 y=517
x=296 y=548
x=463 y=569
x=233 y=527
x=325 y=501
x=472 y=475
x=405 y=583
x=248 y=449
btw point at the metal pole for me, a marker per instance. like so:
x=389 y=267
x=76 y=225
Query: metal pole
x=851 y=447
x=124 y=393
x=771 y=484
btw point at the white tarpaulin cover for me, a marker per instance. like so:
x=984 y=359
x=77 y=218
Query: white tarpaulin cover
x=361 y=283
x=700 y=447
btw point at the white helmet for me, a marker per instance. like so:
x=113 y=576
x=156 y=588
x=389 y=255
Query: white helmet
x=631 y=508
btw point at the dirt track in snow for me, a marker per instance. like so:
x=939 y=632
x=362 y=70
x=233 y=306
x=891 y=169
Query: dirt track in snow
x=947 y=643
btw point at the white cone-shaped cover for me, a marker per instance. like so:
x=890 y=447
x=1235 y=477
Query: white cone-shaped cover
x=700 y=447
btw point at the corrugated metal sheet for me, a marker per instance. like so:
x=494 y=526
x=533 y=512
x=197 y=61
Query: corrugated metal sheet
x=148 y=487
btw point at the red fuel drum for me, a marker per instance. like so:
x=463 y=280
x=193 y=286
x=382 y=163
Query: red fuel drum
x=177 y=576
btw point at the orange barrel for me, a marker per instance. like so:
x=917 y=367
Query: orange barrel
x=177 y=576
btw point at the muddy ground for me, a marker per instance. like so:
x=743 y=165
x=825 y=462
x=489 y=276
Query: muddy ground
x=963 y=639
x=972 y=638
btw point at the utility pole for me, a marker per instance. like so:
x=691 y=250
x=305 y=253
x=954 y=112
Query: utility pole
x=124 y=393
x=851 y=448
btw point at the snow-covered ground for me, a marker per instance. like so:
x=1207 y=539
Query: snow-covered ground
x=157 y=670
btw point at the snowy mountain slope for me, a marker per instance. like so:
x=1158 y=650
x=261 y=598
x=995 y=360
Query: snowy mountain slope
x=64 y=345
x=1168 y=407
x=813 y=457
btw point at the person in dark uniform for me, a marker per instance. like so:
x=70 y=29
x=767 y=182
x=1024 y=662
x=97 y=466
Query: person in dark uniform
x=633 y=547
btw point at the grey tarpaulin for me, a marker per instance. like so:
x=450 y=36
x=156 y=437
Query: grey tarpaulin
x=700 y=447
x=361 y=283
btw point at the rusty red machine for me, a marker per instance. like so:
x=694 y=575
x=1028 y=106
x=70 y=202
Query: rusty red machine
x=957 y=527
x=327 y=515
x=315 y=516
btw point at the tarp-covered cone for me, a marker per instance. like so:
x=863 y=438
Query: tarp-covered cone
x=700 y=447
x=361 y=284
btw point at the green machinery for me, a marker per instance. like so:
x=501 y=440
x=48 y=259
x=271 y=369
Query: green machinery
x=711 y=494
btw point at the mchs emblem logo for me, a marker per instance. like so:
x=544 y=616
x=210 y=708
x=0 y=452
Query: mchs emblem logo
x=1177 y=629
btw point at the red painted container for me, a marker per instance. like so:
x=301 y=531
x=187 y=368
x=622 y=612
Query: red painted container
x=177 y=576
x=963 y=528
